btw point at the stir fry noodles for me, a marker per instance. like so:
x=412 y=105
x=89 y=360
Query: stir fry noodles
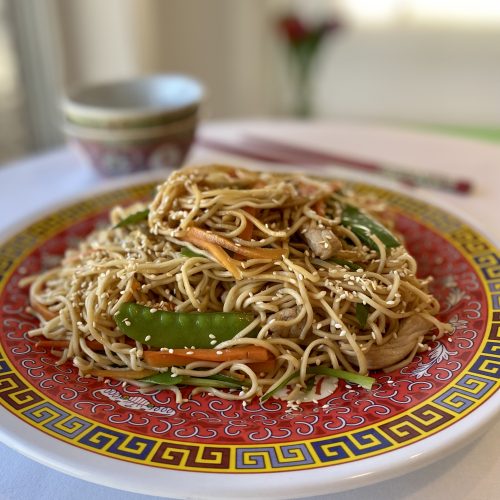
x=238 y=283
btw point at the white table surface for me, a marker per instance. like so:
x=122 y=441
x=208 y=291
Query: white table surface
x=29 y=186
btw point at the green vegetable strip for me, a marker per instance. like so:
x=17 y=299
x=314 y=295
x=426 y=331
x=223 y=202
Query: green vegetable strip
x=354 y=378
x=363 y=226
x=226 y=378
x=346 y=263
x=211 y=382
x=134 y=218
x=215 y=381
x=164 y=378
x=361 y=314
x=310 y=383
x=187 y=252
x=285 y=382
x=177 y=330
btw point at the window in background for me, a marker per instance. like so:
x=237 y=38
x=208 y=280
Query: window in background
x=421 y=12
x=432 y=62
x=30 y=85
x=13 y=132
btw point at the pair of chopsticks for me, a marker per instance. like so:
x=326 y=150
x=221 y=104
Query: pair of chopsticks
x=272 y=151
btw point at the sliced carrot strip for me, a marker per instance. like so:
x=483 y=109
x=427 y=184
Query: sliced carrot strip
x=221 y=256
x=320 y=207
x=53 y=344
x=119 y=374
x=263 y=366
x=43 y=311
x=180 y=357
x=196 y=235
x=246 y=234
x=307 y=190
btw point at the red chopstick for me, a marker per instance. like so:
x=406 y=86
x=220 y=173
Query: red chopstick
x=270 y=150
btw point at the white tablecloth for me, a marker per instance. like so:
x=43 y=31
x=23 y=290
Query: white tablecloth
x=29 y=186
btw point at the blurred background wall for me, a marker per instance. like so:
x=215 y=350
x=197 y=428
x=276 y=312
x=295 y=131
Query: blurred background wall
x=419 y=62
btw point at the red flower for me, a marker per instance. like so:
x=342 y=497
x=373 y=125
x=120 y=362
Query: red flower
x=293 y=28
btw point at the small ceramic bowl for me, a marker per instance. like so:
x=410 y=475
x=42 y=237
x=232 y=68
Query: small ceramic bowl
x=132 y=125
x=140 y=102
x=118 y=152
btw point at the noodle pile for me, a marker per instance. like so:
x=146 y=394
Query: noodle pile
x=324 y=298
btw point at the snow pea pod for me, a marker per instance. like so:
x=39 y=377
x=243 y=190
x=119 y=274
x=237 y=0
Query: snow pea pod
x=363 y=226
x=177 y=330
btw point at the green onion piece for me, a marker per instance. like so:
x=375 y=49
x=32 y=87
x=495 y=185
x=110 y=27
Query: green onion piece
x=355 y=378
x=187 y=252
x=363 y=226
x=310 y=383
x=361 y=314
x=133 y=218
x=228 y=379
x=164 y=378
x=346 y=263
x=212 y=382
x=285 y=382
x=217 y=381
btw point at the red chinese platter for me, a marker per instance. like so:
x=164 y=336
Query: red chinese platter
x=108 y=432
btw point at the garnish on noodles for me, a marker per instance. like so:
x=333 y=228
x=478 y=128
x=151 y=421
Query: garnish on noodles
x=238 y=283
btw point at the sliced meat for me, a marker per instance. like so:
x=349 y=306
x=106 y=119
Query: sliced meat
x=281 y=326
x=322 y=241
x=381 y=356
